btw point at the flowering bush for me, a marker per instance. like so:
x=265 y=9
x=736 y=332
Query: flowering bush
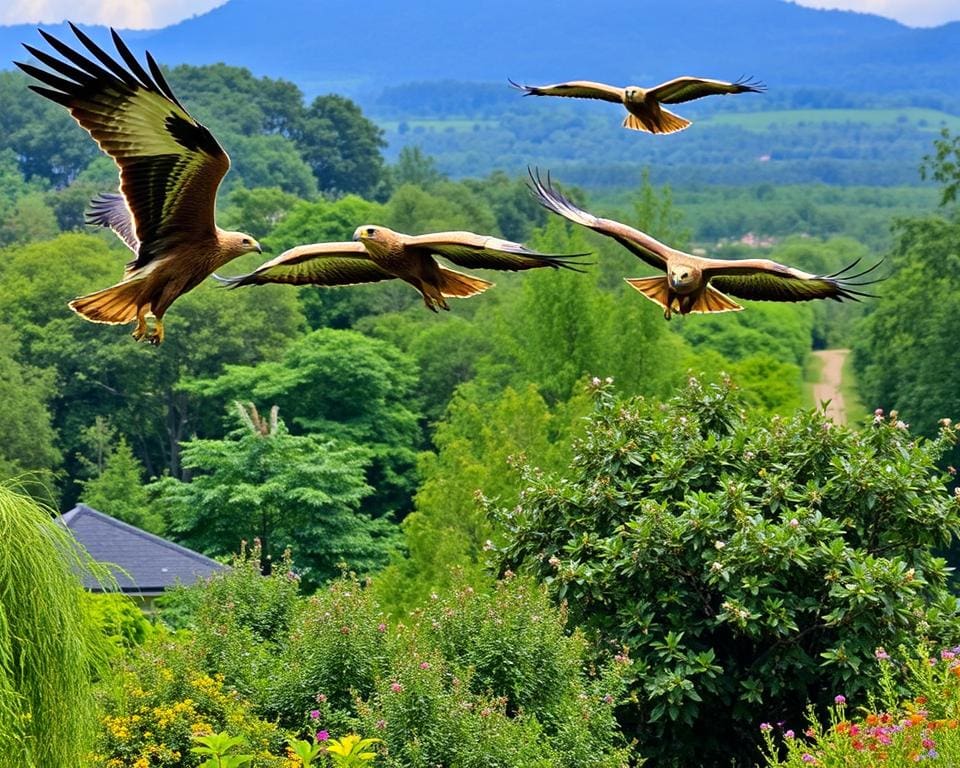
x=161 y=701
x=743 y=563
x=892 y=731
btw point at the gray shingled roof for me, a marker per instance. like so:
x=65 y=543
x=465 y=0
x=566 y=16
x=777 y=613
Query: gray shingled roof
x=147 y=563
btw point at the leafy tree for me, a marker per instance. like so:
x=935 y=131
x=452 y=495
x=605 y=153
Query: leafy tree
x=903 y=353
x=301 y=492
x=119 y=491
x=343 y=148
x=28 y=442
x=415 y=167
x=348 y=387
x=258 y=211
x=269 y=161
x=477 y=444
x=944 y=166
x=47 y=142
x=748 y=566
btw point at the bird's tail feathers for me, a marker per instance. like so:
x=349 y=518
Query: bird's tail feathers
x=666 y=123
x=712 y=300
x=654 y=288
x=453 y=283
x=115 y=305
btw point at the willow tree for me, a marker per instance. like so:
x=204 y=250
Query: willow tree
x=49 y=647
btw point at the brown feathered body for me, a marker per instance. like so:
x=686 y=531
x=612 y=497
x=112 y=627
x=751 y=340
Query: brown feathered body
x=148 y=291
x=378 y=253
x=170 y=169
x=417 y=266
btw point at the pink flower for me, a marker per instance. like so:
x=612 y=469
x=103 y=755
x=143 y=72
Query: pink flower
x=314 y=714
x=881 y=654
x=808 y=758
x=381 y=725
x=322 y=735
x=321 y=698
x=788 y=734
x=765 y=726
x=396 y=687
x=840 y=699
x=381 y=627
x=424 y=665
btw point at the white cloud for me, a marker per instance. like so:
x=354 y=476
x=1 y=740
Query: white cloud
x=913 y=13
x=125 y=14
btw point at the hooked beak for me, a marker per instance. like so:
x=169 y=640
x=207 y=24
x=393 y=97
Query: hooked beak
x=259 y=249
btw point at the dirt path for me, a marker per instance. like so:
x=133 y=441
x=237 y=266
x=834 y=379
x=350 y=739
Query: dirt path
x=828 y=388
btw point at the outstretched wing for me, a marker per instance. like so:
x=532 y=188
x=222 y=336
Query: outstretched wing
x=480 y=252
x=575 y=89
x=170 y=165
x=690 y=88
x=317 y=264
x=766 y=280
x=653 y=252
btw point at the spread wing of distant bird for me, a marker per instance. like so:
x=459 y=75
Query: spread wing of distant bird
x=697 y=284
x=643 y=105
x=170 y=169
x=378 y=253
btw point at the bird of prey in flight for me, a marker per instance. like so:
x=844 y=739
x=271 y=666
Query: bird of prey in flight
x=170 y=168
x=378 y=253
x=696 y=284
x=643 y=105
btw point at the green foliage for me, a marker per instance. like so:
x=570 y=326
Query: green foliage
x=351 y=751
x=747 y=566
x=27 y=438
x=120 y=619
x=476 y=446
x=162 y=701
x=300 y=492
x=434 y=697
x=342 y=147
x=119 y=491
x=217 y=745
x=344 y=386
x=49 y=644
x=903 y=353
x=944 y=166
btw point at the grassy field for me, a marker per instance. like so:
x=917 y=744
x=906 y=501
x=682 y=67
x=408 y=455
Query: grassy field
x=758 y=121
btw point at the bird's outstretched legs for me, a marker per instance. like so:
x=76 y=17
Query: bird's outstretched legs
x=142 y=331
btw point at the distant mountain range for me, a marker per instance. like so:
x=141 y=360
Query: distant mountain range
x=361 y=47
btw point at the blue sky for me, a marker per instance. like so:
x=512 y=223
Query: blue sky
x=139 y=14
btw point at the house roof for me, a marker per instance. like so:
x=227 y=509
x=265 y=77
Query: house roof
x=145 y=564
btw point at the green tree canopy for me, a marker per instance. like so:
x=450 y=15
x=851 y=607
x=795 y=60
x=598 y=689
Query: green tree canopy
x=297 y=492
x=348 y=387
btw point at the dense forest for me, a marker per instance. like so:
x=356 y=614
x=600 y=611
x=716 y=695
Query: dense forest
x=349 y=433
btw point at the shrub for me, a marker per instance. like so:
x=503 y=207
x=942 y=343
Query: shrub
x=746 y=565
x=120 y=619
x=162 y=699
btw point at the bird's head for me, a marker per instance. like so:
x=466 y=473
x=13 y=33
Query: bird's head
x=633 y=93
x=682 y=277
x=372 y=233
x=241 y=242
